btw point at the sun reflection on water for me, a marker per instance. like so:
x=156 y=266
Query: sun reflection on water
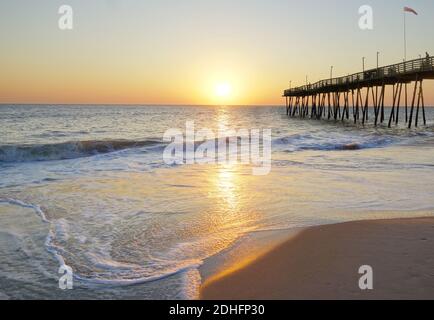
x=227 y=184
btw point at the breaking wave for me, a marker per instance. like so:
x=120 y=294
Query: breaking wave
x=307 y=142
x=67 y=150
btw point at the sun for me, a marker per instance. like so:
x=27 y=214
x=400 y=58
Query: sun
x=223 y=90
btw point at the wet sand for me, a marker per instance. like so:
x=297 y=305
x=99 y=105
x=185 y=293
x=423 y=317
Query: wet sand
x=323 y=263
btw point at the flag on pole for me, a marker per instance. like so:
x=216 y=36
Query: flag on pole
x=408 y=9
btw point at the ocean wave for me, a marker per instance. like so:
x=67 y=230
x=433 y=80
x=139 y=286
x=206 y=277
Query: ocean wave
x=309 y=143
x=67 y=150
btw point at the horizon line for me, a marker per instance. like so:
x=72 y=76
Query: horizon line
x=141 y=104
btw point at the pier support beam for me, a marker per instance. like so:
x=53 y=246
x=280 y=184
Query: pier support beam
x=287 y=106
x=346 y=110
x=418 y=91
x=337 y=105
x=296 y=106
x=365 y=108
x=329 y=106
x=313 y=113
x=395 y=104
x=420 y=104
x=380 y=105
x=291 y=101
x=358 y=102
x=406 y=104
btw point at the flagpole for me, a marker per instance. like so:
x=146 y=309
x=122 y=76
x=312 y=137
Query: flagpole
x=405 y=59
x=405 y=38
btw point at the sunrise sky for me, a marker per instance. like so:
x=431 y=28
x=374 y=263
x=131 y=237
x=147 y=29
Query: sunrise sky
x=195 y=51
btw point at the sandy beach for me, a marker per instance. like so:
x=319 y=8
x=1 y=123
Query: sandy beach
x=323 y=263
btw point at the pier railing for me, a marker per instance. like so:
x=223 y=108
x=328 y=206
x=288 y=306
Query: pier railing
x=394 y=71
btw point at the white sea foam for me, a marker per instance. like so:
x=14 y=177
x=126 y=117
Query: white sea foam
x=122 y=274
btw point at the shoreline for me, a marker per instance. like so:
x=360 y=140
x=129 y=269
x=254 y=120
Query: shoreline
x=244 y=251
x=322 y=262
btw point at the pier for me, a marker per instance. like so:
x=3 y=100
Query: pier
x=333 y=98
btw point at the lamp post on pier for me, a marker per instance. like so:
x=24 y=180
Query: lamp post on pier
x=378 y=55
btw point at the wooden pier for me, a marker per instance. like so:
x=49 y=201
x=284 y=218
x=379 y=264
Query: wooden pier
x=333 y=98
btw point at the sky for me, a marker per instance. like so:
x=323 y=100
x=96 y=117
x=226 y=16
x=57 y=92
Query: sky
x=196 y=51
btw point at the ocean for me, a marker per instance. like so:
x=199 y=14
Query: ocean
x=87 y=186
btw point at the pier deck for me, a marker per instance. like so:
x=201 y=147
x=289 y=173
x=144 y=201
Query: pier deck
x=325 y=98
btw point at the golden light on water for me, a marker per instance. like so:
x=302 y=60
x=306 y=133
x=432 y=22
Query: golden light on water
x=226 y=175
x=228 y=187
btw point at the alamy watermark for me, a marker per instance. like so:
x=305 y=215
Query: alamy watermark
x=66 y=280
x=366 y=281
x=66 y=20
x=366 y=20
x=226 y=146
